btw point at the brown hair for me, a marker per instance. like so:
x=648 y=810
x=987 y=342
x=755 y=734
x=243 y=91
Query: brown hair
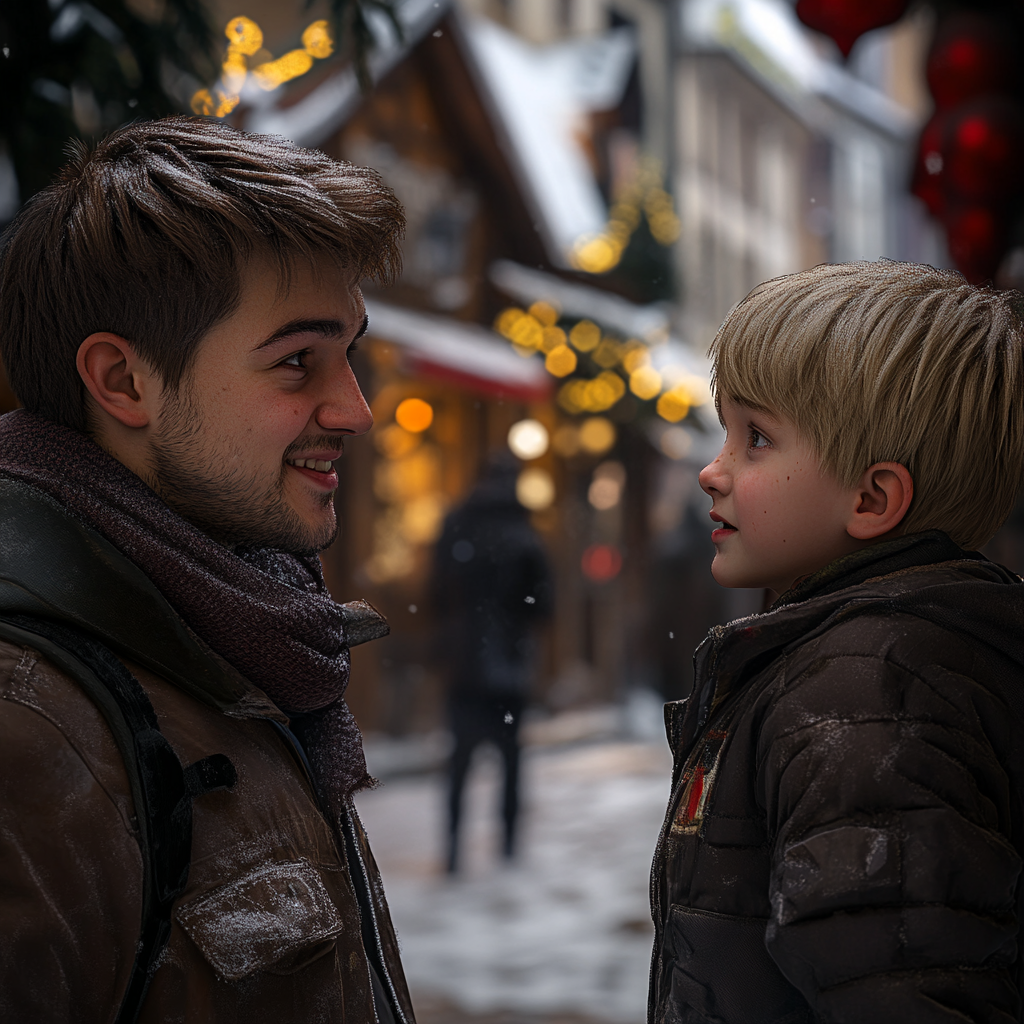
x=146 y=236
x=892 y=362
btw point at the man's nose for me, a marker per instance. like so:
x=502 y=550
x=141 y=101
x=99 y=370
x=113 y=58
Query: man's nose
x=343 y=407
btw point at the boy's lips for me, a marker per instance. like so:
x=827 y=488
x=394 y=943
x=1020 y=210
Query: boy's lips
x=726 y=529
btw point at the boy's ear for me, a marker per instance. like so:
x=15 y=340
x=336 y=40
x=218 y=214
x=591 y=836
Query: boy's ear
x=119 y=381
x=883 y=497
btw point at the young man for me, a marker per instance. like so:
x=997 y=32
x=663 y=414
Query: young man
x=845 y=833
x=177 y=838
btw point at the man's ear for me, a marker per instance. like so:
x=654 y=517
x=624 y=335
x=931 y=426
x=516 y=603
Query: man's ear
x=121 y=383
x=883 y=496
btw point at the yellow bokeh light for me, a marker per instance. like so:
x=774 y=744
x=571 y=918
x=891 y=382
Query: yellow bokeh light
x=585 y=336
x=674 y=404
x=276 y=72
x=571 y=396
x=422 y=519
x=244 y=34
x=526 y=332
x=393 y=442
x=597 y=254
x=202 y=103
x=635 y=355
x=603 y=392
x=561 y=361
x=317 y=41
x=608 y=353
x=645 y=382
x=225 y=104
x=552 y=338
x=544 y=313
x=414 y=415
x=566 y=440
x=535 y=489
x=597 y=435
x=506 y=319
x=665 y=227
x=396 y=481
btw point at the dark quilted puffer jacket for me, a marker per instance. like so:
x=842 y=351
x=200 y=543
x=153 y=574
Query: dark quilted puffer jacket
x=845 y=832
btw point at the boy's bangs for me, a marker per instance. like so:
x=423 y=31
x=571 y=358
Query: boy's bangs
x=891 y=362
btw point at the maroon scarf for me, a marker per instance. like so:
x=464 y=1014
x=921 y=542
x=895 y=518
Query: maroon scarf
x=267 y=613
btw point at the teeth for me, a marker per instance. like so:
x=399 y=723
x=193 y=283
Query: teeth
x=320 y=465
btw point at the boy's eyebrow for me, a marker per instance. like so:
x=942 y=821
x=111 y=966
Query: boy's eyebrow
x=325 y=328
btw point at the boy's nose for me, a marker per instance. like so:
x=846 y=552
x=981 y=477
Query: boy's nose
x=712 y=477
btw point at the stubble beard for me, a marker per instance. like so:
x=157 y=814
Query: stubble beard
x=234 y=507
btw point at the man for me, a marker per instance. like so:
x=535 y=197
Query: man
x=177 y=315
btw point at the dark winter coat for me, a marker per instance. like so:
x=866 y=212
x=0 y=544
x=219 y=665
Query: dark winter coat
x=271 y=926
x=491 y=588
x=845 y=832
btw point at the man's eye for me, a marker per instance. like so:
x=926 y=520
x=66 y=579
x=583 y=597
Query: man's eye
x=297 y=359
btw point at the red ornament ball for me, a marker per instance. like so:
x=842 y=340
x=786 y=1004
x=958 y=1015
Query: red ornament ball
x=983 y=154
x=971 y=56
x=847 y=20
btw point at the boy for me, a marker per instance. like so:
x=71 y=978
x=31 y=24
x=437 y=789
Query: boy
x=844 y=836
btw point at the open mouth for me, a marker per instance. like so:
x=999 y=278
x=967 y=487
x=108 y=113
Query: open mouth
x=723 y=530
x=317 y=465
x=319 y=471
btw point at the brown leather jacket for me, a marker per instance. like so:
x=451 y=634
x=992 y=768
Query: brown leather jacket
x=269 y=927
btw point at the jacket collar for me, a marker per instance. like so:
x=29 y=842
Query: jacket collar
x=55 y=567
x=923 y=574
x=876 y=560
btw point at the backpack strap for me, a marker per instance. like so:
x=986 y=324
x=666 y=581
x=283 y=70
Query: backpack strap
x=162 y=790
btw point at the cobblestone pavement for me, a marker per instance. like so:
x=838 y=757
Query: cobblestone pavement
x=563 y=935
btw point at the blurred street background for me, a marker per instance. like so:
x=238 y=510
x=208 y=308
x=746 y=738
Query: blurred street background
x=590 y=186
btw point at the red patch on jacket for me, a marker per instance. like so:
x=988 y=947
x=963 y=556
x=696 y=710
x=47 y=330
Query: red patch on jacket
x=697 y=782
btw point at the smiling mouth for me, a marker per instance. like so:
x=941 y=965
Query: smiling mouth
x=317 y=465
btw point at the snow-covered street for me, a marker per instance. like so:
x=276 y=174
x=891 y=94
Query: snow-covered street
x=564 y=933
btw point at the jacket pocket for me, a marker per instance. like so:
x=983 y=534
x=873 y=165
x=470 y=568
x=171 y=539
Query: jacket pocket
x=277 y=918
x=721 y=973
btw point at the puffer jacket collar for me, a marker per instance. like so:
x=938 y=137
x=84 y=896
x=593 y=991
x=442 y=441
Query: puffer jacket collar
x=948 y=594
x=56 y=567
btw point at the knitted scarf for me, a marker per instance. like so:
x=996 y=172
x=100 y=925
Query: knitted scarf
x=266 y=612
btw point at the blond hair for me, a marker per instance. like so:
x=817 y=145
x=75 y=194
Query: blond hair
x=891 y=362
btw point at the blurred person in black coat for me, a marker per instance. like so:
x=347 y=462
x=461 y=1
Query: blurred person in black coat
x=492 y=587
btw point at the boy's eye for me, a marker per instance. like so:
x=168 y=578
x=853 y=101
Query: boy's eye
x=758 y=440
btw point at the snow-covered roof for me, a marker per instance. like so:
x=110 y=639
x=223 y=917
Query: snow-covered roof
x=540 y=97
x=462 y=353
x=769 y=39
x=527 y=285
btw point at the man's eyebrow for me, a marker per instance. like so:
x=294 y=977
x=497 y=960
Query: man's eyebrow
x=323 y=328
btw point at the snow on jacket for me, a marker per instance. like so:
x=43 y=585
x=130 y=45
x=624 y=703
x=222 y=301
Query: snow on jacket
x=279 y=911
x=845 y=832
